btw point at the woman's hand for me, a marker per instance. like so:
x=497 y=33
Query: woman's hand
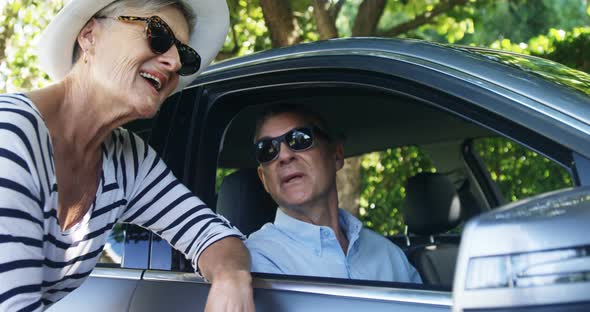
x=231 y=291
x=226 y=263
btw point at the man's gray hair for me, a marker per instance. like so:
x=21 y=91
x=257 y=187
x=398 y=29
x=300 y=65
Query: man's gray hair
x=146 y=7
x=311 y=117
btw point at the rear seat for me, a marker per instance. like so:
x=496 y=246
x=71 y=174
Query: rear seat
x=432 y=207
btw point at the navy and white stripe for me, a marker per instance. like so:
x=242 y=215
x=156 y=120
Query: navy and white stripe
x=40 y=264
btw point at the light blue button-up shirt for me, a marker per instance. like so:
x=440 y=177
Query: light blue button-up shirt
x=294 y=247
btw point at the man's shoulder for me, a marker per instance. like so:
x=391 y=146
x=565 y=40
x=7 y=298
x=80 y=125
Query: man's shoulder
x=268 y=245
x=372 y=235
x=266 y=234
x=402 y=270
x=368 y=236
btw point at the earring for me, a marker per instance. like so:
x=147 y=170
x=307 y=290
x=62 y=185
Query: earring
x=86 y=56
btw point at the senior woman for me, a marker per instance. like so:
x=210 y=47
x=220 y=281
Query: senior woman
x=68 y=173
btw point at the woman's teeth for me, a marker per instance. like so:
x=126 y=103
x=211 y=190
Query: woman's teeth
x=153 y=80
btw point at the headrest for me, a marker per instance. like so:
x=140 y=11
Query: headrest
x=244 y=202
x=432 y=205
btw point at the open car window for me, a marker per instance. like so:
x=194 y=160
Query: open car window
x=519 y=172
x=391 y=140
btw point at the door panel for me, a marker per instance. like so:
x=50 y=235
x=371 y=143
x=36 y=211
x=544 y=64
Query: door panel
x=185 y=292
x=105 y=290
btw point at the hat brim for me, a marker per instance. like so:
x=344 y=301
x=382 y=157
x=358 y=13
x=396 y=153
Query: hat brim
x=57 y=42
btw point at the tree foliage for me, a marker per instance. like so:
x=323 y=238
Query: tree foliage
x=21 y=21
x=519 y=172
x=383 y=191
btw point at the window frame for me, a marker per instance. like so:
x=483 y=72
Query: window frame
x=490 y=188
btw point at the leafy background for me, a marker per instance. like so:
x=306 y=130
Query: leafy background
x=553 y=29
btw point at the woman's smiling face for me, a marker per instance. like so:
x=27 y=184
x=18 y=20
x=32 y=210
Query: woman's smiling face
x=124 y=66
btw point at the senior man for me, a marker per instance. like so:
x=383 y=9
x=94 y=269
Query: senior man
x=299 y=157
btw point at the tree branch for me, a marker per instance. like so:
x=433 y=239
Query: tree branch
x=222 y=55
x=281 y=24
x=336 y=9
x=368 y=16
x=422 y=19
x=325 y=22
x=8 y=30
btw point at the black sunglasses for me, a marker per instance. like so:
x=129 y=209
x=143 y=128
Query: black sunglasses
x=297 y=139
x=161 y=38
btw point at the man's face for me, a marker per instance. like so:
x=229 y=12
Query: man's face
x=295 y=179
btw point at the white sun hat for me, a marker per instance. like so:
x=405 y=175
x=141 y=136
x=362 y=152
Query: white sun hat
x=57 y=42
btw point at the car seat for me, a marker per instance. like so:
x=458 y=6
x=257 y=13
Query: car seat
x=244 y=202
x=432 y=207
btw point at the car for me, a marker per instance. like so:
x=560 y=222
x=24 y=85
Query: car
x=474 y=249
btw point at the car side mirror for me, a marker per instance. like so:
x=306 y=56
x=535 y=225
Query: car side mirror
x=534 y=253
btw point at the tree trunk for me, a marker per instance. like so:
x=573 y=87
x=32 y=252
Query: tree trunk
x=325 y=21
x=349 y=177
x=367 y=18
x=282 y=25
x=348 y=180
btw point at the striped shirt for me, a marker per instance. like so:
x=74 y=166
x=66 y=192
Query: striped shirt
x=40 y=263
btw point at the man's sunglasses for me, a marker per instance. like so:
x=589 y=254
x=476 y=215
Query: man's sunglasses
x=297 y=139
x=161 y=38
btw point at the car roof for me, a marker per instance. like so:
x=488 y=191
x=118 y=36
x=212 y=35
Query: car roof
x=554 y=85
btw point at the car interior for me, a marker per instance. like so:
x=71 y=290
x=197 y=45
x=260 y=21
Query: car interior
x=370 y=120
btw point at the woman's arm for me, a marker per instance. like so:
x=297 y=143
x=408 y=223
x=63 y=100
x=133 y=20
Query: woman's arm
x=159 y=202
x=226 y=263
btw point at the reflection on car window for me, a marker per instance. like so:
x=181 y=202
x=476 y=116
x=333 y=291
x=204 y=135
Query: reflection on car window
x=518 y=171
x=220 y=174
x=112 y=254
x=127 y=246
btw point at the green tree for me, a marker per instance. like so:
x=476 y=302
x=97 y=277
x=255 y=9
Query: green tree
x=383 y=190
x=21 y=22
x=520 y=20
x=519 y=172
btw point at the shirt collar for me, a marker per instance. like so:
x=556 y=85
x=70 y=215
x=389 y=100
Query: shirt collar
x=310 y=234
x=350 y=225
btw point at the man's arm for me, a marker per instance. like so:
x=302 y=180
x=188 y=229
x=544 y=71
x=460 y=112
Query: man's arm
x=226 y=264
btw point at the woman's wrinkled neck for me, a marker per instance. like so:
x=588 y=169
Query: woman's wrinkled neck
x=77 y=113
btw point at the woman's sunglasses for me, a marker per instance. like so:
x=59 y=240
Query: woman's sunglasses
x=161 y=38
x=297 y=139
